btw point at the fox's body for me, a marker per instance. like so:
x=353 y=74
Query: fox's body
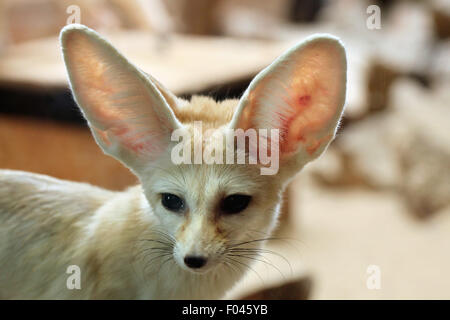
x=190 y=229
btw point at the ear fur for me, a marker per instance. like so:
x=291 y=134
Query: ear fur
x=302 y=93
x=129 y=117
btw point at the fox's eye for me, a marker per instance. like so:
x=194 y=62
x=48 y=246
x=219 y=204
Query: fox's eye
x=235 y=203
x=172 y=202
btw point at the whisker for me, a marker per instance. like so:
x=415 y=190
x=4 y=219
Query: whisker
x=260 y=251
x=154 y=240
x=252 y=241
x=162 y=264
x=238 y=269
x=248 y=267
x=247 y=256
x=164 y=233
x=149 y=263
x=226 y=263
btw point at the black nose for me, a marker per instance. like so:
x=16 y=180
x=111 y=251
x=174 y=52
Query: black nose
x=194 y=262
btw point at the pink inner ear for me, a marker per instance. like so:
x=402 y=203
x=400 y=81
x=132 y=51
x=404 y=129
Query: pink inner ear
x=298 y=104
x=304 y=100
x=146 y=142
x=312 y=99
x=136 y=138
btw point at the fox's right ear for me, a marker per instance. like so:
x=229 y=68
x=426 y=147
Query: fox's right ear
x=128 y=111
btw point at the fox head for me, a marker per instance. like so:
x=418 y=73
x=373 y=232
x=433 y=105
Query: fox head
x=210 y=210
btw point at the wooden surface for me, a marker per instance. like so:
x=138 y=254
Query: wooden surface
x=60 y=150
x=182 y=63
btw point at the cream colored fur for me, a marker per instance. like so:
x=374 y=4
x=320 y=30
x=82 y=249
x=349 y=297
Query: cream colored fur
x=126 y=244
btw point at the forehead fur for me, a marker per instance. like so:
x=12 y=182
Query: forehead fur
x=211 y=113
x=214 y=178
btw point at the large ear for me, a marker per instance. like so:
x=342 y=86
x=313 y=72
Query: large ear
x=301 y=94
x=128 y=116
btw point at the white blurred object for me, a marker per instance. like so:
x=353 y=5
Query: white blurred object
x=407 y=38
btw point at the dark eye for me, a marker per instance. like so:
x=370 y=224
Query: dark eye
x=172 y=202
x=235 y=203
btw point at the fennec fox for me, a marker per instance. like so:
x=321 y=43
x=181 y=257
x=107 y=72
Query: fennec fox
x=183 y=233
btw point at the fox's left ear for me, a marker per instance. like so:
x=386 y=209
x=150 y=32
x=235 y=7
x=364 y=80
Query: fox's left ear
x=301 y=94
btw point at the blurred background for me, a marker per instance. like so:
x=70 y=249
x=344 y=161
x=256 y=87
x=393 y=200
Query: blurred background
x=369 y=220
